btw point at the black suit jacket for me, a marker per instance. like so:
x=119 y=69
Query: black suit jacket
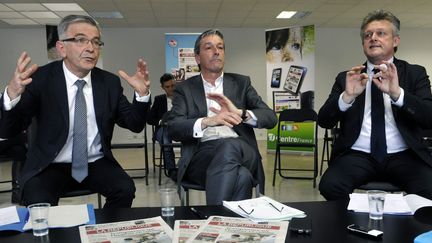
x=411 y=118
x=189 y=104
x=157 y=111
x=45 y=100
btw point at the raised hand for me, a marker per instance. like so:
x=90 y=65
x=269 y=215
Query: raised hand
x=355 y=83
x=21 y=77
x=140 y=81
x=387 y=80
x=228 y=114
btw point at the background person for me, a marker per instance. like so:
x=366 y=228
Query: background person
x=157 y=117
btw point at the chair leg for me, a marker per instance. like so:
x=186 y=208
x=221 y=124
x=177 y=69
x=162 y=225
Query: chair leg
x=275 y=163
x=183 y=196
x=325 y=145
x=146 y=165
x=99 y=197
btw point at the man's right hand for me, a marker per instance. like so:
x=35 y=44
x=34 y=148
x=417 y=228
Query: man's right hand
x=21 y=77
x=224 y=118
x=355 y=83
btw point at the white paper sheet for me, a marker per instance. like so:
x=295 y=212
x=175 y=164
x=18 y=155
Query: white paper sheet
x=8 y=215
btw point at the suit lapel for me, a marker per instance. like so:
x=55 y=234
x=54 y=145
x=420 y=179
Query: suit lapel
x=99 y=93
x=59 y=89
x=198 y=94
x=229 y=89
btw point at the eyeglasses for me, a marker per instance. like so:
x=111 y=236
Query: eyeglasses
x=252 y=210
x=368 y=35
x=82 y=41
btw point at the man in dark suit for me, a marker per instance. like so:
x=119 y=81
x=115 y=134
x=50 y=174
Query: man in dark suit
x=213 y=115
x=157 y=117
x=74 y=106
x=382 y=107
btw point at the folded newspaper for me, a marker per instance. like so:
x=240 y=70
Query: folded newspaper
x=185 y=229
x=229 y=229
x=139 y=230
x=263 y=209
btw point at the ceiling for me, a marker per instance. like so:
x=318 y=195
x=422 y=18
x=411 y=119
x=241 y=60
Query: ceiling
x=242 y=13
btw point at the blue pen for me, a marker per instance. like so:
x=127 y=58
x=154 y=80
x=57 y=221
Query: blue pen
x=27 y=216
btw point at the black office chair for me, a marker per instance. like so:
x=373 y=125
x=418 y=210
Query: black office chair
x=380 y=185
x=328 y=141
x=4 y=158
x=77 y=192
x=185 y=186
x=296 y=116
x=143 y=145
x=162 y=146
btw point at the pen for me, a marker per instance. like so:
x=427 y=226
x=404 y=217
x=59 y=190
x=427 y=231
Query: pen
x=198 y=213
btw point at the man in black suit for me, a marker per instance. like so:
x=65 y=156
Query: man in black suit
x=213 y=116
x=68 y=100
x=157 y=117
x=382 y=107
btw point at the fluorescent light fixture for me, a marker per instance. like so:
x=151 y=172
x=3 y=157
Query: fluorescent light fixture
x=286 y=14
x=40 y=15
x=20 y=21
x=106 y=15
x=62 y=7
x=26 y=6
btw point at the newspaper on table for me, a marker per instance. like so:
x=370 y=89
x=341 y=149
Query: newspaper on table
x=139 y=230
x=184 y=229
x=229 y=229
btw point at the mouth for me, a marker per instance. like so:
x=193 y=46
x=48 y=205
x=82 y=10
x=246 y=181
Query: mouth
x=89 y=59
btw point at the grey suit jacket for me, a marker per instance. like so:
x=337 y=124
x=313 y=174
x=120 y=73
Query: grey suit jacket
x=411 y=118
x=189 y=104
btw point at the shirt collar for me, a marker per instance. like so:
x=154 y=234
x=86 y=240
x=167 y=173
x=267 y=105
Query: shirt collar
x=371 y=66
x=72 y=78
x=218 y=81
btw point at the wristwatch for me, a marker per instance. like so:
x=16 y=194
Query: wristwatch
x=243 y=116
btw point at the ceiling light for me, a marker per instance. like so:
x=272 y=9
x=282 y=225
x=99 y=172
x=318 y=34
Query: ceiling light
x=286 y=14
x=62 y=7
x=106 y=15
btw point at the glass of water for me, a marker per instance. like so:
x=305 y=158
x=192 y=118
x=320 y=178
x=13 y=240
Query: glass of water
x=376 y=204
x=167 y=197
x=39 y=218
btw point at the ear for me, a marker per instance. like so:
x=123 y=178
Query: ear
x=197 y=59
x=396 y=41
x=61 y=48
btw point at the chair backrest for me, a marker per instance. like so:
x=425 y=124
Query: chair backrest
x=299 y=115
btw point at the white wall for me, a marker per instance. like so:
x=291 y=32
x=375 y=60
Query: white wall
x=337 y=49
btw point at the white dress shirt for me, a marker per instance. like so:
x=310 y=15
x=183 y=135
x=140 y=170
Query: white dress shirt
x=394 y=140
x=216 y=132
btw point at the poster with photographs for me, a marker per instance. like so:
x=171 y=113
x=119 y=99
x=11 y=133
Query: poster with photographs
x=179 y=55
x=290 y=62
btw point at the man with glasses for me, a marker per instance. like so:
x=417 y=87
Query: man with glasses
x=74 y=107
x=382 y=107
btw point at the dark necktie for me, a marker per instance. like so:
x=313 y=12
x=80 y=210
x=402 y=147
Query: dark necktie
x=378 y=136
x=79 y=147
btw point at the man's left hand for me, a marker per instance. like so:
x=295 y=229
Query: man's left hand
x=225 y=104
x=140 y=81
x=387 y=80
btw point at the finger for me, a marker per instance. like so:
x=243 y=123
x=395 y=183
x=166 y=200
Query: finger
x=28 y=72
x=357 y=69
x=123 y=75
x=216 y=111
x=21 y=58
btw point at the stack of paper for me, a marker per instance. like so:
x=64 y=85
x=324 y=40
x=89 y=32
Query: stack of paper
x=263 y=209
x=395 y=203
x=17 y=219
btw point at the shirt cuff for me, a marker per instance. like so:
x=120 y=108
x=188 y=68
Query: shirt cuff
x=399 y=102
x=8 y=103
x=342 y=105
x=252 y=120
x=197 y=131
x=144 y=98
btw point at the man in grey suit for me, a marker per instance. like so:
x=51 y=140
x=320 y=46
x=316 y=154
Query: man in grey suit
x=213 y=115
x=376 y=144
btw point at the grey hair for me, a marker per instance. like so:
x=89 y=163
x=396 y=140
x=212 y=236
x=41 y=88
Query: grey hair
x=73 y=19
x=205 y=34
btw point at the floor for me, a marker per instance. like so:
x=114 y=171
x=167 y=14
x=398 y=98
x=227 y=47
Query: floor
x=285 y=190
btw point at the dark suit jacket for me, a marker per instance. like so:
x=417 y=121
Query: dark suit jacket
x=45 y=100
x=157 y=111
x=411 y=118
x=189 y=104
